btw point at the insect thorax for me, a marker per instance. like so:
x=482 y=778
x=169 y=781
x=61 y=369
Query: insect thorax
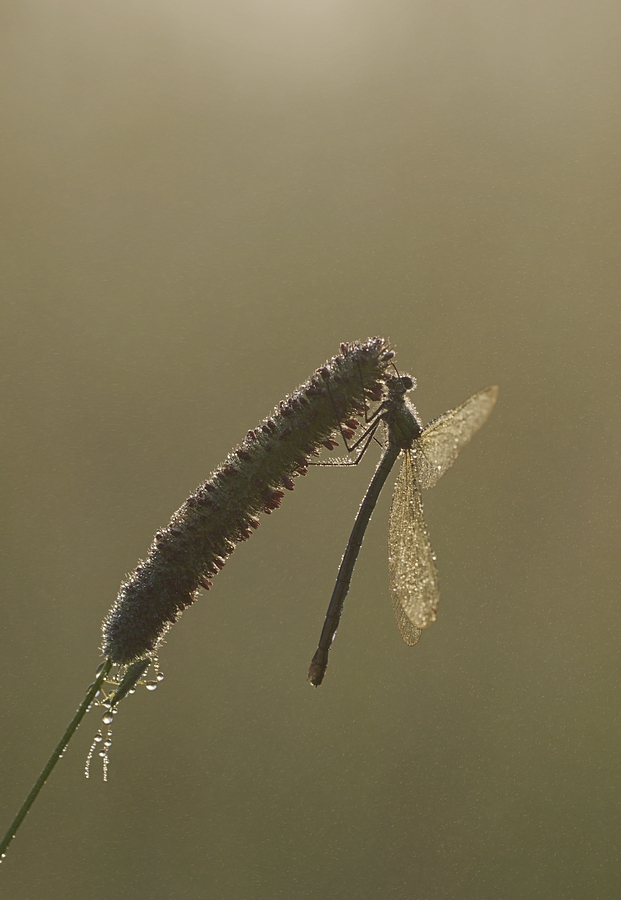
x=402 y=422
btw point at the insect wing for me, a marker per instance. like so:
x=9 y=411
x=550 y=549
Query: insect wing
x=414 y=589
x=438 y=447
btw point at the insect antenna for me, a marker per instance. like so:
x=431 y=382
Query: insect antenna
x=404 y=379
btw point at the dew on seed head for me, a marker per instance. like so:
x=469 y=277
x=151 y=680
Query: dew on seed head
x=107 y=700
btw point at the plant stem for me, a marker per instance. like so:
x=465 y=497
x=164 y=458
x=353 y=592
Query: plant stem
x=57 y=753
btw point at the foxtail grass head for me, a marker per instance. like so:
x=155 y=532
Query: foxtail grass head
x=186 y=555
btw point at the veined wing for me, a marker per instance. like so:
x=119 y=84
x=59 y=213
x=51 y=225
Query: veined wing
x=414 y=589
x=438 y=446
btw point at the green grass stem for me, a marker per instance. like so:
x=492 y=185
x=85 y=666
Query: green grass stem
x=56 y=755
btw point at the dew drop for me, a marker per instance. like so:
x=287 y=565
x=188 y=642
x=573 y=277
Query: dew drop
x=108 y=718
x=159 y=676
x=150 y=685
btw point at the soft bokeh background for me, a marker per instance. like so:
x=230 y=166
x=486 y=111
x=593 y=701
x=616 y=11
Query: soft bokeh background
x=201 y=200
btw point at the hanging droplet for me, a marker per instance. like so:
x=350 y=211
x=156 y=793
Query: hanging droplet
x=150 y=685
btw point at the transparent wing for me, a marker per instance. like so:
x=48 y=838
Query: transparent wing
x=438 y=446
x=414 y=589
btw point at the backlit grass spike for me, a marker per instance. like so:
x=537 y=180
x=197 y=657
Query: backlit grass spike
x=187 y=554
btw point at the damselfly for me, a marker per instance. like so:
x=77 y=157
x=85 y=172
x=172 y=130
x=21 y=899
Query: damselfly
x=427 y=454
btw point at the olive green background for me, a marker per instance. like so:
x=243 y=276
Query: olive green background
x=200 y=201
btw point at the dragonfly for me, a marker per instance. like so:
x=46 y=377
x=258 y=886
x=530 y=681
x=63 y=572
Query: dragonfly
x=427 y=453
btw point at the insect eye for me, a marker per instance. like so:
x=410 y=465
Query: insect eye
x=401 y=384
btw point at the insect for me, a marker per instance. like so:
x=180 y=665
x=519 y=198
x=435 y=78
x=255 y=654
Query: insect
x=427 y=454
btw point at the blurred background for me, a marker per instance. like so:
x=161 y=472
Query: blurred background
x=200 y=201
